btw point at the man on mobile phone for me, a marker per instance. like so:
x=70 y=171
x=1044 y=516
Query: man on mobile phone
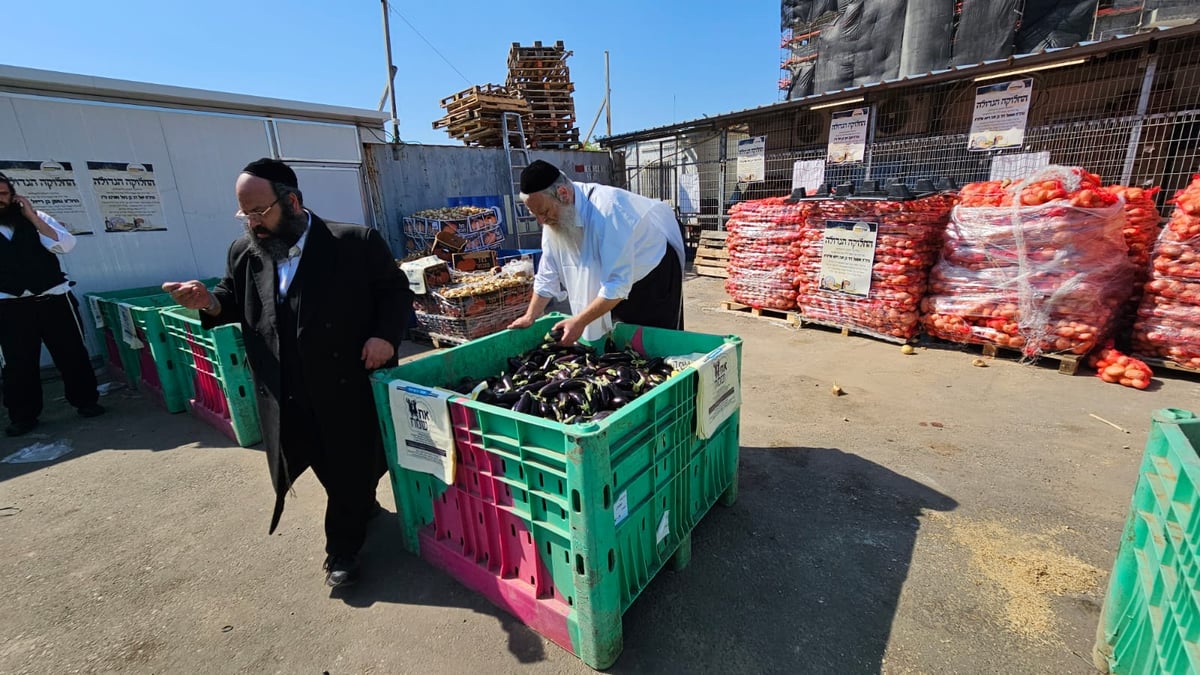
x=36 y=307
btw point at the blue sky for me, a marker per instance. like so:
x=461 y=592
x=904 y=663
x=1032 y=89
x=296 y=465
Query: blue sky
x=670 y=61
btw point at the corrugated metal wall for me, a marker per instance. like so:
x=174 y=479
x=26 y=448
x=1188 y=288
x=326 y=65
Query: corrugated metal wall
x=409 y=178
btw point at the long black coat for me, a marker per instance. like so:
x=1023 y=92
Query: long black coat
x=348 y=289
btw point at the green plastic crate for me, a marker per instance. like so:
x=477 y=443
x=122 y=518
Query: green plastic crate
x=1150 y=622
x=564 y=526
x=123 y=360
x=221 y=387
x=161 y=369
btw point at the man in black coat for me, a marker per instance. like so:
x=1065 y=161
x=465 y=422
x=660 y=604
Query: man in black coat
x=37 y=307
x=321 y=305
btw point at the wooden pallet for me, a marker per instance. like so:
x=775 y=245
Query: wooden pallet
x=712 y=256
x=786 y=317
x=437 y=340
x=480 y=91
x=1068 y=364
x=847 y=330
x=1155 y=362
x=706 y=268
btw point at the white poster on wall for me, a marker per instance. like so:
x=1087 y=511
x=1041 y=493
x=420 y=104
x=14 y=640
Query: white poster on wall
x=848 y=136
x=808 y=174
x=1001 y=111
x=128 y=196
x=51 y=188
x=752 y=159
x=689 y=192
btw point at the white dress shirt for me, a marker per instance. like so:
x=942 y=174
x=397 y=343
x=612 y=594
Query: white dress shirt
x=287 y=268
x=66 y=242
x=625 y=238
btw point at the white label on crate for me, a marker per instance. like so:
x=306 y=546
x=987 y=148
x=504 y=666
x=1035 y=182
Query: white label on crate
x=664 y=526
x=94 y=305
x=424 y=437
x=128 y=331
x=621 y=508
x=719 y=392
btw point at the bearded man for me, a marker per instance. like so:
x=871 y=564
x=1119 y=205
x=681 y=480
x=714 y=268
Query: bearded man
x=321 y=305
x=611 y=253
x=37 y=307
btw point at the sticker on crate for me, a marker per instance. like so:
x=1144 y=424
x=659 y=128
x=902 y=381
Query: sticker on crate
x=128 y=330
x=664 y=527
x=621 y=508
x=97 y=315
x=719 y=393
x=424 y=436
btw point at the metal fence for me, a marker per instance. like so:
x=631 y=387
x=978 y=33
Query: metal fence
x=1131 y=115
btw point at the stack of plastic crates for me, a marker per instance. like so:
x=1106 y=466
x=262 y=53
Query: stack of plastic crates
x=221 y=388
x=562 y=525
x=473 y=316
x=159 y=365
x=123 y=361
x=1151 y=617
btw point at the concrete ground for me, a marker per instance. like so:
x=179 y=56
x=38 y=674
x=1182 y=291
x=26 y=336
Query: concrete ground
x=937 y=518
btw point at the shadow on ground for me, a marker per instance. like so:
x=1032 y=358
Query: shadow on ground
x=802 y=574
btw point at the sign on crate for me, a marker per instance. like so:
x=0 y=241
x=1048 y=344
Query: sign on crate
x=719 y=393
x=424 y=438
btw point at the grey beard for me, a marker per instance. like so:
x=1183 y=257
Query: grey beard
x=567 y=233
x=277 y=245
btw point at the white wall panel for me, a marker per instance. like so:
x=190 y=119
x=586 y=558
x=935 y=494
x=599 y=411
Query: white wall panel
x=316 y=142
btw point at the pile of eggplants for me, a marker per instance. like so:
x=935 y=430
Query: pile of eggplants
x=570 y=384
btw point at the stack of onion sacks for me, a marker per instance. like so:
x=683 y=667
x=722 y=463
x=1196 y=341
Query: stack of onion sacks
x=1168 y=320
x=761 y=267
x=1037 y=265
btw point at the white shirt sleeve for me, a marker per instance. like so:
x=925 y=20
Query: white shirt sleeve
x=66 y=240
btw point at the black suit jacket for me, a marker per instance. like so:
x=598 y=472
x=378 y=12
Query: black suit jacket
x=347 y=289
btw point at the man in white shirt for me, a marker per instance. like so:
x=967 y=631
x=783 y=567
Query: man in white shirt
x=36 y=307
x=613 y=254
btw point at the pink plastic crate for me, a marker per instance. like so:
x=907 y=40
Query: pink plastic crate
x=478 y=539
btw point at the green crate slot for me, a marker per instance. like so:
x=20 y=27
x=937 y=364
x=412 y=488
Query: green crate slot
x=1150 y=622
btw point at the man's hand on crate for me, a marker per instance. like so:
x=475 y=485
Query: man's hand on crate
x=192 y=294
x=377 y=352
x=523 y=321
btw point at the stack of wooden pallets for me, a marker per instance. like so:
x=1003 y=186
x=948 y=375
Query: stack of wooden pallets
x=473 y=115
x=712 y=255
x=541 y=76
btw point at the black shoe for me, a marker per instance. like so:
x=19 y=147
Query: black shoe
x=376 y=511
x=93 y=410
x=20 y=428
x=341 y=570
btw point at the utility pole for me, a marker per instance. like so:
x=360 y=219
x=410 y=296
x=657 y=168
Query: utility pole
x=607 y=96
x=387 y=41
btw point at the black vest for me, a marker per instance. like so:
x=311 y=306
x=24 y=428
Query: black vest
x=26 y=265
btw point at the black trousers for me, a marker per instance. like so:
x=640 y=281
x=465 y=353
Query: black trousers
x=349 y=476
x=657 y=298
x=27 y=323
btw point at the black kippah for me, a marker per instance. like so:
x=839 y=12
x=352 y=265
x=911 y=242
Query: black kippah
x=272 y=170
x=538 y=176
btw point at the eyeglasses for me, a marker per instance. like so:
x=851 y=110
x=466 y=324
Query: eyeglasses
x=255 y=215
